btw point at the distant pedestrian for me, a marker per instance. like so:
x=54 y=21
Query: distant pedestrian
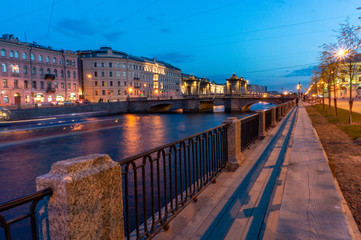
x=297 y=101
x=100 y=100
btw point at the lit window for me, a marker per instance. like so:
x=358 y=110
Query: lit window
x=74 y=86
x=3 y=67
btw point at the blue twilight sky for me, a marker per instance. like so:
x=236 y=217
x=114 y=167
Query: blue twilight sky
x=268 y=42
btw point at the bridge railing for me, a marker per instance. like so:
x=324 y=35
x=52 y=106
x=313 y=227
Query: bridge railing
x=159 y=183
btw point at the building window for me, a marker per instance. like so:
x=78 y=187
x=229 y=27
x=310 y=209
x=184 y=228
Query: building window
x=16 y=54
x=102 y=64
x=73 y=63
x=41 y=84
x=34 y=84
x=11 y=53
x=95 y=64
x=118 y=83
x=54 y=60
x=67 y=62
x=62 y=86
x=103 y=83
x=25 y=69
x=124 y=65
x=110 y=74
x=118 y=64
x=125 y=83
x=111 y=83
x=74 y=86
x=61 y=73
x=3 y=67
x=32 y=57
x=95 y=74
x=69 y=86
x=118 y=74
x=68 y=74
x=47 y=59
x=6 y=98
x=103 y=92
x=110 y=64
x=96 y=92
x=24 y=55
x=103 y=74
x=40 y=58
x=124 y=74
x=26 y=84
x=41 y=71
x=5 y=83
x=74 y=74
x=55 y=72
x=3 y=53
x=61 y=61
x=56 y=85
x=16 y=83
x=118 y=92
x=33 y=70
x=48 y=71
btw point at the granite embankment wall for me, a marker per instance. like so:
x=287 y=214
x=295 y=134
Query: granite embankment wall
x=105 y=108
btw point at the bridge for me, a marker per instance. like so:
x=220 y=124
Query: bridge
x=202 y=104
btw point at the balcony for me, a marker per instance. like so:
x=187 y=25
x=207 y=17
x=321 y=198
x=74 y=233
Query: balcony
x=15 y=74
x=49 y=77
x=50 y=90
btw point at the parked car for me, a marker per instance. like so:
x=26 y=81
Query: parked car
x=67 y=103
x=85 y=101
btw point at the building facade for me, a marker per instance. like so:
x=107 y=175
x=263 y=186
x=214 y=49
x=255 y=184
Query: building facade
x=31 y=73
x=196 y=86
x=107 y=74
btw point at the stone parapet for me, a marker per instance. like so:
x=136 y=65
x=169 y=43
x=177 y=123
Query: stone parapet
x=87 y=199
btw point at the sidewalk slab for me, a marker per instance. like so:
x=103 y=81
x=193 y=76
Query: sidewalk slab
x=311 y=207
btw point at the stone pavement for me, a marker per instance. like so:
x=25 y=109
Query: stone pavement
x=284 y=190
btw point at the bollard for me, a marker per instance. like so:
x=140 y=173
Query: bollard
x=87 y=199
x=235 y=156
x=262 y=124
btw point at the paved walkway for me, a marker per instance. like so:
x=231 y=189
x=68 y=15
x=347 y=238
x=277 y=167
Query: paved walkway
x=285 y=190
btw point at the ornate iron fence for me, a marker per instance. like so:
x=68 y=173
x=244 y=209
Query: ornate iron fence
x=249 y=130
x=33 y=199
x=159 y=183
x=268 y=120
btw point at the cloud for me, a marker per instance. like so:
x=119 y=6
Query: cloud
x=75 y=27
x=175 y=57
x=303 y=72
x=113 y=36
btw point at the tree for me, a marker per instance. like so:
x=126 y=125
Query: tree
x=349 y=55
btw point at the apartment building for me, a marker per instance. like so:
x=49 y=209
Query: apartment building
x=107 y=74
x=31 y=73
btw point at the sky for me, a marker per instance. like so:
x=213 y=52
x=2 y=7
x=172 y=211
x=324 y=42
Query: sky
x=274 y=43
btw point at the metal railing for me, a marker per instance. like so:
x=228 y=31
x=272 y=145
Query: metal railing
x=249 y=130
x=268 y=119
x=277 y=113
x=33 y=199
x=159 y=183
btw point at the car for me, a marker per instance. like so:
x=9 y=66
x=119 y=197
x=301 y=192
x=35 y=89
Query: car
x=85 y=101
x=68 y=103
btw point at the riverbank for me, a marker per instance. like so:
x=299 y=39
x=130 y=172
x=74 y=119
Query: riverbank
x=344 y=155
